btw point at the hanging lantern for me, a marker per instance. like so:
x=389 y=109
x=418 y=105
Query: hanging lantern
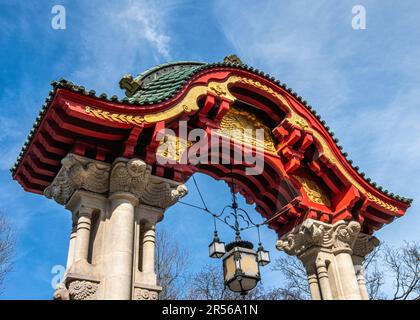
x=240 y=266
x=263 y=256
x=216 y=248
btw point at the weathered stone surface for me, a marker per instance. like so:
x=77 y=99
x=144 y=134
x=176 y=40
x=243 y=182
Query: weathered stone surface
x=310 y=233
x=78 y=173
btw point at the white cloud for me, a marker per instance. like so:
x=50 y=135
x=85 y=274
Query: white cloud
x=290 y=42
x=121 y=37
x=141 y=20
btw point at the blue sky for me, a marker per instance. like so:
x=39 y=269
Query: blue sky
x=364 y=83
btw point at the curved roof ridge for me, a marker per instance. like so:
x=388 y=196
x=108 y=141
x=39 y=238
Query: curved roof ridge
x=151 y=70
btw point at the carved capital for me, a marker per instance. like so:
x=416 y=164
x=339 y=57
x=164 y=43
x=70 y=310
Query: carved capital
x=129 y=176
x=298 y=240
x=312 y=233
x=364 y=245
x=82 y=290
x=78 y=173
x=162 y=193
x=344 y=235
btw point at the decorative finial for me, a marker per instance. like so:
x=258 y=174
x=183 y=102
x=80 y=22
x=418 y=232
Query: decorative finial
x=232 y=58
x=129 y=84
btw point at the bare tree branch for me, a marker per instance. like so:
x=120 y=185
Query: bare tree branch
x=7 y=248
x=171 y=266
x=296 y=287
x=374 y=276
x=208 y=284
x=404 y=265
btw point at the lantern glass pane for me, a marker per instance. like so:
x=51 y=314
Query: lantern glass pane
x=235 y=286
x=249 y=264
x=263 y=257
x=217 y=249
x=248 y=283
x=229 y=268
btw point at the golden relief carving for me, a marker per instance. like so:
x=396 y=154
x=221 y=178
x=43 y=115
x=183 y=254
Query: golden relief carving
x=301 y=123
x=172 y=147
x=381 y=203
x=314 y=192
x=241 y=125
x=114 y=117
x=217 y=89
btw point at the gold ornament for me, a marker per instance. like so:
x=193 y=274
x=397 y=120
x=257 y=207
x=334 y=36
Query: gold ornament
x=314 y=191
x=241 y=125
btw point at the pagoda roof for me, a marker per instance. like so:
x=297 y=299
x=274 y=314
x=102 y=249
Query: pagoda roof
x=163 y=82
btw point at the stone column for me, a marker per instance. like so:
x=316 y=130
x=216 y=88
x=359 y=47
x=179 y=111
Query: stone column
x=363 y=246
x=313 y=283
x=72 y=245
x=84 y=221
x=127 y=183
x=324 y=281
x=118 y=278
x=330 y=246
x=147 y=218
x=344 y=237
x=149 y=237
x=158 y=195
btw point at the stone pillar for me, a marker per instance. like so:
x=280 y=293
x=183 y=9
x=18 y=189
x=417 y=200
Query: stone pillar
x=324 y=281
x=127 y=182
x=72 y=245
x=119 y=257
x=330 y=246
x=350 y=288
x=84 y=220
x=363 y=246
x=313 y=283
x=149 y=238
x=109 y=203
x=159 y=194
x=147 y=217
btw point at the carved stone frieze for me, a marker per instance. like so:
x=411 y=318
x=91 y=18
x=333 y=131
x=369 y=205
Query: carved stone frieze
x=162 y=194
x=311 y=233
x=145 y=294
x=78 y=173
x=82 y=290
x=129 y=176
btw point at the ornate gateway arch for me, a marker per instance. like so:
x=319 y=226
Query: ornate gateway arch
x=114 y=165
